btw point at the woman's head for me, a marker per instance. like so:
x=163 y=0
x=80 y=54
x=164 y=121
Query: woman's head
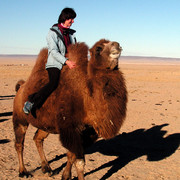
x=66 y=14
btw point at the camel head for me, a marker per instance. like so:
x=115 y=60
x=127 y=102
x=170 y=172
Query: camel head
x=105 y=54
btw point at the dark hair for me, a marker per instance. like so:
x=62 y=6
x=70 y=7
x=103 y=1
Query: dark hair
x=66 y=13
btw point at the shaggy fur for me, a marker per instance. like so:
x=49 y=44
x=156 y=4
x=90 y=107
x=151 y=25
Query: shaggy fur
x=89 y=102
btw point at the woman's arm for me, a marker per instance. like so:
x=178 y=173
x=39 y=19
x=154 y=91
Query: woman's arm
x=53 y=47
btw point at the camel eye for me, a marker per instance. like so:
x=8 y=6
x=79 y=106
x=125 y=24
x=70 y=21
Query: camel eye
x=98 y=50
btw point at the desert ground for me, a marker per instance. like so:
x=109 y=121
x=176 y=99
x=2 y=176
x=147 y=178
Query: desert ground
x=147 y=146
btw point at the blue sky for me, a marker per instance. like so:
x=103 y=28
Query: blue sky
x=142 y=27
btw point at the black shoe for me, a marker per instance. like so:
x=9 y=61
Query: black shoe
x=33 y=112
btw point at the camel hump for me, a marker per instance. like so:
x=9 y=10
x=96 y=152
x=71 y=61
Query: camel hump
x=43 y=52
x=19 y=84
x=41 y=59
x=78 y=53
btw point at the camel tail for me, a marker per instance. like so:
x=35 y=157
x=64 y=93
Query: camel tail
x=19 y=84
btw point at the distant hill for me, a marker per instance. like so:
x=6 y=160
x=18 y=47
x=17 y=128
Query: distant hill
x=18 y=56
x=122 y=57
x=148 y=58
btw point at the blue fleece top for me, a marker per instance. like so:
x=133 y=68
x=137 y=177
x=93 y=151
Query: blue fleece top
x=56 y=49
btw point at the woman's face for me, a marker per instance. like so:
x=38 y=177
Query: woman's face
x=68 y=22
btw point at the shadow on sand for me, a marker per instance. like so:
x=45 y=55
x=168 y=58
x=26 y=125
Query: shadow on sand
x=129 y=146
x=132 y=145
x=4 y=141
x=57 y=170
x=6 y=114
x=8 y=97
x=3 y=120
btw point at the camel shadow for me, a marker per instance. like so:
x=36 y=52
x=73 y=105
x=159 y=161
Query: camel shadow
x=128 y=147
x=8 y=97
x=57 y=170
x=3 y=120
x=132 y=145
x=4 y=141
x=6 y=114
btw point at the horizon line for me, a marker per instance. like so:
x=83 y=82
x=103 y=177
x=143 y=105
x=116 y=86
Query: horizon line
x=126 y=56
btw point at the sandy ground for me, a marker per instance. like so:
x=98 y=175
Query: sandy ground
x=147 y=146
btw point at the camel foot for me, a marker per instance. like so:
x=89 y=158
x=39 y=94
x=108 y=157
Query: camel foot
x=47 y=169
x=66 y=176
x=63 y=178
x=25 y=174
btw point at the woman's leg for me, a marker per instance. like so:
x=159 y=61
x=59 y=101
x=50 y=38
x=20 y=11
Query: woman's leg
x=37 y=99
x=40 y=97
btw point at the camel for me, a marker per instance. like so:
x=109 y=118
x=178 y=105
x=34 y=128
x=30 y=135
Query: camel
x=89 y=102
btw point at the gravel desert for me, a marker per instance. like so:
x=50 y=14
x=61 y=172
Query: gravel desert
x=147 y=146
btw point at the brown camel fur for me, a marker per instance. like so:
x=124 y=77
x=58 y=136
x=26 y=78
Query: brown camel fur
x=89 y=102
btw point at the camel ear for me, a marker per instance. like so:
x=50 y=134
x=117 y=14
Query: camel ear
x=105 y=44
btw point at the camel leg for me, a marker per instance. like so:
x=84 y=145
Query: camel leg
x=39 y=137
x=20 y=131
x=70 y=161
x=79 y=164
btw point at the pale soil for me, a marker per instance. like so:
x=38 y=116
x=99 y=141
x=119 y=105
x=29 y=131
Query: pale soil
x=146 y=148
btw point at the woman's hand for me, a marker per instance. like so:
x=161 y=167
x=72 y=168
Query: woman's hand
x=71 y=64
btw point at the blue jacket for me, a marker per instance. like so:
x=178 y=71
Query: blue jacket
x=56 y=49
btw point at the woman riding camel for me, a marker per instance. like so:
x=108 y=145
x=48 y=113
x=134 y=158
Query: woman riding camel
x=59 y=37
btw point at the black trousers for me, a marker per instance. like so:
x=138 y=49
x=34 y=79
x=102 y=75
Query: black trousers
x=40 y=97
